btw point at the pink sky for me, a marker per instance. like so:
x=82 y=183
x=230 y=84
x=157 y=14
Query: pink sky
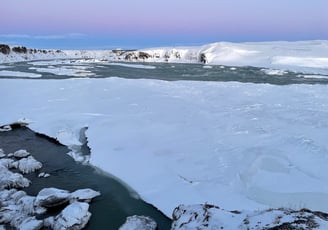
x=181 y=21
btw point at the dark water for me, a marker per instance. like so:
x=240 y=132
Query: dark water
x=173 y=72
x=109 y=210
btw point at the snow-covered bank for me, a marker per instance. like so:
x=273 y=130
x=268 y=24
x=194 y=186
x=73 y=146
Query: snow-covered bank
x=189 y=142
x=202 y=217
x=302 y=56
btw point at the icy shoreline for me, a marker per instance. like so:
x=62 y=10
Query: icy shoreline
x=204 y=139
x=302 y=56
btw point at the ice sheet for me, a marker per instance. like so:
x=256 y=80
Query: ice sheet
x=237 y=145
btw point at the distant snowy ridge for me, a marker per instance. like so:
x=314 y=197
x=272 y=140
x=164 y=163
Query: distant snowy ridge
x=304 y=56
x=9 y=54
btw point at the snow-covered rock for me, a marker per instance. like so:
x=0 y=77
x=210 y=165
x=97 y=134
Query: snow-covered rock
x=74 y=216
x=27 y=223
x=84 y=195
x=51 y=197
x=9 y=179
x=2 y=153
x=44 y=175
x=28 y=165
x=21 y=153
x=205 y=217
x=5 y=128
x=138 y=223
x=8 y=163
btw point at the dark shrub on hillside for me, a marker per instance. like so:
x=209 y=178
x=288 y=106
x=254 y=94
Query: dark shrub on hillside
x=5 y=49
x=20 y=49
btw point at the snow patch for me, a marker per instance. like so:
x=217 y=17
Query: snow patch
x=274 y=72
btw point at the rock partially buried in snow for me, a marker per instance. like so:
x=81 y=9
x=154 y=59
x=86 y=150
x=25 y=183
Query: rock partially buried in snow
x=139 y=223
x=74 y=216
x=203 y=217
x=27 y=223
x=21 y=153
x=85 y=195
x=52 y=197
x=8 y=163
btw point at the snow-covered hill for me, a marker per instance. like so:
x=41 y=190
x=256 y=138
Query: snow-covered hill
x=307 y=56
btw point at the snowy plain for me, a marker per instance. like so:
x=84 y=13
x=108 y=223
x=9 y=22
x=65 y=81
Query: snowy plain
x=236 y=145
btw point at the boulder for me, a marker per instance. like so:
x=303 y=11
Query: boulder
x=84 y=195
x=75 y=216
x=51 y=197
x=21 y=153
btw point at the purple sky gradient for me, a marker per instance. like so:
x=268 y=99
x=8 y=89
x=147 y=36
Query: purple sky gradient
x=141 y=23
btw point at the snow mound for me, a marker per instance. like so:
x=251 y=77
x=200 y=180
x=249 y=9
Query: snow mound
x=21 y=153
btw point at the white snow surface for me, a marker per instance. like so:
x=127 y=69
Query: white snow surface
x=237 y=145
